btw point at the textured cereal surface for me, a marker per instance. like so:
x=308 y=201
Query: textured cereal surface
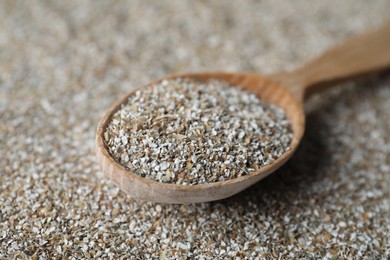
x=191 y=132
x=63 y=63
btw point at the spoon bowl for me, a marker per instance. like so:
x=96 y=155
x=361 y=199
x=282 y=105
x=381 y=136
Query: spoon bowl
x=356 y=56
x=146 y=189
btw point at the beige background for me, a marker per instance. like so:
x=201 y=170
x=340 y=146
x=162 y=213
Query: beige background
x=64 y=62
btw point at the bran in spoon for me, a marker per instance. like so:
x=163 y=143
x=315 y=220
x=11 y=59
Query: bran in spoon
x=188 y=132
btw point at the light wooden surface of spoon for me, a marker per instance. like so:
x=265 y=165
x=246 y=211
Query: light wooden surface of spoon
x=357 y=56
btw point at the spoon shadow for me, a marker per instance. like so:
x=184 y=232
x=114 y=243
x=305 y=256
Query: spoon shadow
x=297 y=174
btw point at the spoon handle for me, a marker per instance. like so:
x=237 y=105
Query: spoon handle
x=356 y=56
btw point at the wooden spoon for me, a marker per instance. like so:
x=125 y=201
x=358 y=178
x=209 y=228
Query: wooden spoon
x=360 y=55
